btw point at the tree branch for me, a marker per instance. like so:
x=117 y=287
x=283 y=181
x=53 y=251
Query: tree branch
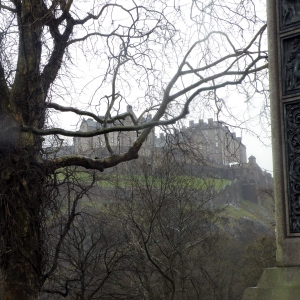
x=237 y=53
x=11 y=9
x=96 y=17
x=66 y=229
x=64 y=294
x=90 y=114
x=4 y=90
x=146 y=111
x=150 y=257
x=225 y=73
x=106 y=130
x=94 y=164
x=113 y=33
x=221 y=85
x=60 y=44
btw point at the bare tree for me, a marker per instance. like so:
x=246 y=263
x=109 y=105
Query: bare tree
x=151 y=241
x=172 y=225
x=140 y=55
x=90 y=260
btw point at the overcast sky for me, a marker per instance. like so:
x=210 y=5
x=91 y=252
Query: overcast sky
x=261 y=150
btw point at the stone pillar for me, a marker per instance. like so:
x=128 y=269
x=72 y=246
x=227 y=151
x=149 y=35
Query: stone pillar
x=283 y=281
x=284 y=59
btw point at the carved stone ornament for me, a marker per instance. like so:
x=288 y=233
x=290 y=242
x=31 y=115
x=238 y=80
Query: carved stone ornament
x=291 y=64
x=289 y=13
x=292 y=126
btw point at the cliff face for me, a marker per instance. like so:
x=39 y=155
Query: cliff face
x=246 y=220
x=248 y=181
x=247 y=246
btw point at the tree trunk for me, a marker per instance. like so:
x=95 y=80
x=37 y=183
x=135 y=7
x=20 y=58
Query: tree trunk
x=21 y=231
x=22 y=176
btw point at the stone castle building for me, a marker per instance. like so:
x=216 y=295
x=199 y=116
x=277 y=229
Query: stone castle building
x=213 y=140
x=224 y=153
x=118 y=141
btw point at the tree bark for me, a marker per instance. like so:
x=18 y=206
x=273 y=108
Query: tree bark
x=22 y=176
x=21 y=229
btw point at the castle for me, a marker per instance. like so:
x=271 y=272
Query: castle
x=224 y=153
x=214 y=140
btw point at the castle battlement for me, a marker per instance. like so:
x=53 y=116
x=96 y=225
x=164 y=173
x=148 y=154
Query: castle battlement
x=214 y=140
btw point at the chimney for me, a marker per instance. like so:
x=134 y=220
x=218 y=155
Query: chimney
x=129 y=108
x=252 y=160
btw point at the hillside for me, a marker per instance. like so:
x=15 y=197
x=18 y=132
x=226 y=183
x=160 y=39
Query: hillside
x=247 y=220
x=230 y=240
x=247 y=246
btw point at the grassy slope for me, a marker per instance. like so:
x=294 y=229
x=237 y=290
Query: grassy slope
x=233 y=217
x=109 y=181
x=247 y=220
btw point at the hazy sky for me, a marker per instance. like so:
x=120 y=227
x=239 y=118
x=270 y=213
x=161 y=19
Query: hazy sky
x=261 y=150
x=262 y=153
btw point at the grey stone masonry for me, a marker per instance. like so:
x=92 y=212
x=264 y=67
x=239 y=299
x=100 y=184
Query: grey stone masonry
x=284 y=59
x=283 y=282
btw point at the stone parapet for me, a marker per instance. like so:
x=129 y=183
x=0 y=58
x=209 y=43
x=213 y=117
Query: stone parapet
x=282 y=283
